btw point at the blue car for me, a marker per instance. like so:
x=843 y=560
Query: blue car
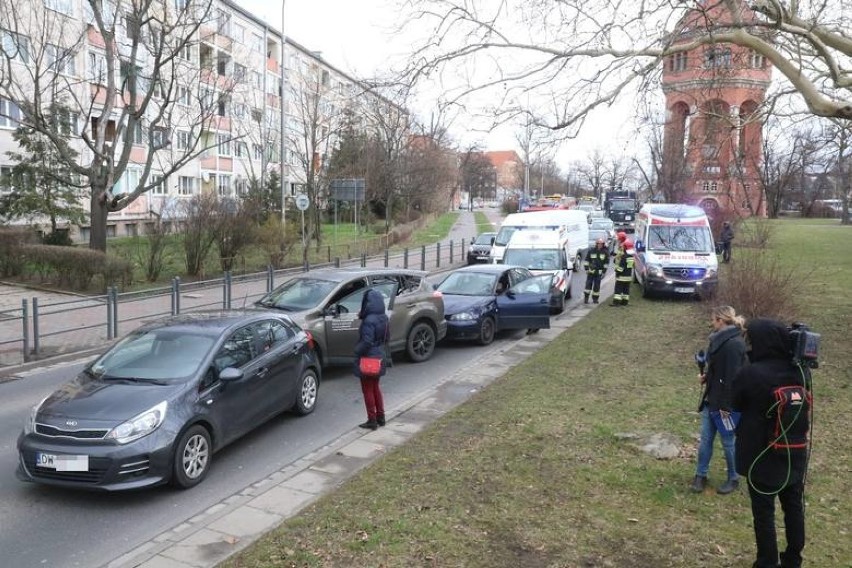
x=481 y=300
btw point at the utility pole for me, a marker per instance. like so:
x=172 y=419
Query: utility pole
x=283 y=122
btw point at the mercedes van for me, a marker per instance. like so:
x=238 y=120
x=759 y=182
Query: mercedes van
x=675 y=252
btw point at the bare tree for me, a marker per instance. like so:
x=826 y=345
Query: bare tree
x=591 y=52
x=131 y=74
x=839 y=138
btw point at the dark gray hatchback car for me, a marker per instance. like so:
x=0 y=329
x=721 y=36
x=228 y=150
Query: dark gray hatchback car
x=326 y=302
x=157 y=405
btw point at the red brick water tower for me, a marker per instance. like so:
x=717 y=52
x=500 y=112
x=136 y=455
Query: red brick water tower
x=712 y=143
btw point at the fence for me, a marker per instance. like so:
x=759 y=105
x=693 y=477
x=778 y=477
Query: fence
x=40 y=329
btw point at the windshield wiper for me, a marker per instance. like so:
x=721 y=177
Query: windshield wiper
x=134 y=380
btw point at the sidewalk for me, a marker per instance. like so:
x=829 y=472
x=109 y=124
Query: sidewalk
x=241 y=519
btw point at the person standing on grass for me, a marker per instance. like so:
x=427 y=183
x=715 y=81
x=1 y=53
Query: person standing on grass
x=372 y=337
x=726 y=354
x=595 y=265
x=727 y=236
x=770 y=471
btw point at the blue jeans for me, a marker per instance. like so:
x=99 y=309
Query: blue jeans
x=705 y=446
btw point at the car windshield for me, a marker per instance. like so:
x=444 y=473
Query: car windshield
x=676 y=238
x=603 y=226
x=469 y=284
x=484 y=239
x=596 y=234
x=502 y=238
x=622 y=205
x=162 y=354
x=298 y=294
x=534 y=259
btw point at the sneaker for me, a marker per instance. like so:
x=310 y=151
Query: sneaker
x=699 y=483
x=729 y=487
x=369 y=425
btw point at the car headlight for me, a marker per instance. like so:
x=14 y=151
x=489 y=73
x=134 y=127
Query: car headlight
x=140 y=425
x=655 y=270
x=29 y=425
x=463 y=316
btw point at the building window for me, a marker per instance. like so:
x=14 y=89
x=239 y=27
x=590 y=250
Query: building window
x=184 y=96
x=183 y=140
x=258 y=151
x=241 y=186
x=256 y=43
x=181 y=4
x=239 y=33
x=713 y=187
x=60 y=60
x=159 y=137
x=717 y=57
x=223 y=22
x=10 y=114
x=137 y=134
x=222 y=106
x=160 y=184
x=186 y=185
x=96 y=67
x=241 y=150
x=15 y=46
x=130 y=230
x=62 y=6
x=224 y=143
x=756 y=60
x=110 y=231
x=223 y=187
x=185 y=52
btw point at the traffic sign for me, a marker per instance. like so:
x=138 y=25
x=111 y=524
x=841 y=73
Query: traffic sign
x=302 y=202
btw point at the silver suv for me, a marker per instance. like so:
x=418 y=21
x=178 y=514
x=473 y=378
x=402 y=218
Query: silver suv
x=326 y=303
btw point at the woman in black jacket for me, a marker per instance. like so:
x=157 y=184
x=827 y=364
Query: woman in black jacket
x=372 y=336
x=725 y=355
x=770 y=471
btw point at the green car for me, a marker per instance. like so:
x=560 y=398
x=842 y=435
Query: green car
x=326 y=302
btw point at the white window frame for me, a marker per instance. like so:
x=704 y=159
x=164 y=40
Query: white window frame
x=183 y=139
x=96 y=66
x=223 y=185
x=15 y=45
x=184 y=95
x=61 y=60
x=62 y=6
x=223 y=143
x=160 y=185
x=258 y=151
x=187 y=186
x=10 y=114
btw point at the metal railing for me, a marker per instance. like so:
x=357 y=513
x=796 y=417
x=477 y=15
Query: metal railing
x=40 y=329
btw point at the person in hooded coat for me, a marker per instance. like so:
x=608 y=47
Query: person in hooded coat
x=726 y=354
x=770 y=472
x=372 y=337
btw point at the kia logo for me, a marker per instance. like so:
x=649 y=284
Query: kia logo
x=71 y=423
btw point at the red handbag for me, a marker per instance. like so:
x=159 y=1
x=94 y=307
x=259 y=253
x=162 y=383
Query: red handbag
x=370 y=366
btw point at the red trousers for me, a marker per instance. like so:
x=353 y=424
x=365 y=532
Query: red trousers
x=373 y=399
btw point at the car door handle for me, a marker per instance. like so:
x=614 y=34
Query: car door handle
x=262 y=372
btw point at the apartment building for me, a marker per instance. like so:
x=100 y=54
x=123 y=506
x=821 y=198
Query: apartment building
x=167 y=99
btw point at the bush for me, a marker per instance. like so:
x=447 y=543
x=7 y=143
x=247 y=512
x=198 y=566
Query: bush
x=76 y=268
x=12 y=258
x=755 y=234
x=58 y=238
x=510 y=206
x=757 y=285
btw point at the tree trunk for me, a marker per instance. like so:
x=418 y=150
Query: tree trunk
x=98 y=211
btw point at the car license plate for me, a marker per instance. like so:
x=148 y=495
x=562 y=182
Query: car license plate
x=62 y=463
x=682 y=290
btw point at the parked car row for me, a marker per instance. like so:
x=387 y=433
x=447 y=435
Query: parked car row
x=156 y=406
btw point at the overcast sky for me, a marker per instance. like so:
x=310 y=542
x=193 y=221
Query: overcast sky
x=358 y=38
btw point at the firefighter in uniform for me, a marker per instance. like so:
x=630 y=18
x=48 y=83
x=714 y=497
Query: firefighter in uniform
x=620 y=237
x=623 y=274
x=595 y=266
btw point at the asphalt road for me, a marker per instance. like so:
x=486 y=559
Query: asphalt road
x=43 y=526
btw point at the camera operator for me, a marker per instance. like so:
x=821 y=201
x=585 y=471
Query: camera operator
x=770 y=471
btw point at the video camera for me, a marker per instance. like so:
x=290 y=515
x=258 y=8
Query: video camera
x=804 y=345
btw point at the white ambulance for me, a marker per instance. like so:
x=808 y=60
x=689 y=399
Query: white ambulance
x=573 y=222
x=675 y=251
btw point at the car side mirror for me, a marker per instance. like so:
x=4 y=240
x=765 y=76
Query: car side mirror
x=493 y=239
x=230 y=374
x=509 y=294
x=640 y=246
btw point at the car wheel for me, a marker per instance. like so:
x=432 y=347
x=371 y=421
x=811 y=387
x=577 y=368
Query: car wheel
x=306 y=393
x=486 y=331
x=646 y=292
x=193 y=454
x=560 y=305
x=421 y=342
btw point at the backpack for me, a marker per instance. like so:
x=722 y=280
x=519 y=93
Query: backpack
x=789 y=418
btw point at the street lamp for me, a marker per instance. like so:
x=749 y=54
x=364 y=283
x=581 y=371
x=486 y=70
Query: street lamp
x=283 y=151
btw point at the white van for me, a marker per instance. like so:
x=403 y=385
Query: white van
x=544 y=251
x=572 y=221
x=675 y=250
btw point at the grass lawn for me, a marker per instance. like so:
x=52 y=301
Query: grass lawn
x=531 y=471
x=483 y=225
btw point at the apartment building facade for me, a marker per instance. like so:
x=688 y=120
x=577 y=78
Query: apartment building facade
x=163 y=100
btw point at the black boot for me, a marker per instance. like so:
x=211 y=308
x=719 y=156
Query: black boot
x=698 y=484
x=369 y=425
x=380 y=419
